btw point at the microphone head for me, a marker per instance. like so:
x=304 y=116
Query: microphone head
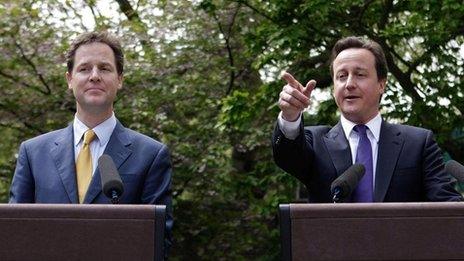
x=456 y=170
x=348 y=181
x=110 y=179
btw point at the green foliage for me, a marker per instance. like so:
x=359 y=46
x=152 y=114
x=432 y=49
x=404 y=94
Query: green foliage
x=194 y=80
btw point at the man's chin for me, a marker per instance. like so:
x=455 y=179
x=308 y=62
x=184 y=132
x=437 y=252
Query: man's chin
x=352 y=115
x=96 y=100
x=350 y=110
x=95 y=104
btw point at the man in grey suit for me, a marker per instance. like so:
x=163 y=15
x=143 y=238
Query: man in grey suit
x=403 y=163
x=48 y=168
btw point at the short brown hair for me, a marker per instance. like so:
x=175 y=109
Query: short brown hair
x=96 y=37
x=358 y=42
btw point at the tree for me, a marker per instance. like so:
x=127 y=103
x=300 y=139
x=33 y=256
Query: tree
x=202 y=77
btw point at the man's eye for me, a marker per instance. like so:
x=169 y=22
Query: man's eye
x=82 y=69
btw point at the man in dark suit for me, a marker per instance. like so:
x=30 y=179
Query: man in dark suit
x=61 y=166
x=403 y=163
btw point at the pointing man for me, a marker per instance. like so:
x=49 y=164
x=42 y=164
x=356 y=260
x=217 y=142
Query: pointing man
x=403 y=163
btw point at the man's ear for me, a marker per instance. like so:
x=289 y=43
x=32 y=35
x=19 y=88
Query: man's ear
x=120 y=80
x=383 y=84
x=68 y=79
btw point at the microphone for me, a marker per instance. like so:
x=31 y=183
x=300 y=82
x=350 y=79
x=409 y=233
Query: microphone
x=111 y=181
x=342 y=187
x=456 y=170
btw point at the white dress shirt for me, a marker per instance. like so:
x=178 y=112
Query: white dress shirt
x=103 y=133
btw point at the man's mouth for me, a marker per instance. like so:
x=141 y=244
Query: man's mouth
x=351 y=97
x=94 y=89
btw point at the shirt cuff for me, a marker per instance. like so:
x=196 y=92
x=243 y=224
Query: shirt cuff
x=290 y=129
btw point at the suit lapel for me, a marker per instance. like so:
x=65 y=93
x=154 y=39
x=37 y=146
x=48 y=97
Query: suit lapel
x=339 y=149
x=63 y=155
x=118 y=148
x=390 y=145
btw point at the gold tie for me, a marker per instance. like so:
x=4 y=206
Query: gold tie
x=84 y=165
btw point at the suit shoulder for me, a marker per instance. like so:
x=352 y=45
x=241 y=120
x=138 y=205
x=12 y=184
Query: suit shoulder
x=45 y=138
x=408 y=129
x=144 y=139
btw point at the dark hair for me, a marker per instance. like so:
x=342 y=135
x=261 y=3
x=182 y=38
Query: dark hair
x=358 y=42
x=96 y=37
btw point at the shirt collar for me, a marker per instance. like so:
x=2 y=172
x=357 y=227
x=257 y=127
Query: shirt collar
x=102 y=130
x=374 y=126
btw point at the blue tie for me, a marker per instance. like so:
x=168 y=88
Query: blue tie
x=364 y=191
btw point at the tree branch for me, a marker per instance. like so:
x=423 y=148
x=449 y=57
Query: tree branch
x=403 y=78
x=18 y=116
x=90 y=4
x=228 y=45
x=77 y=14
x=256 y=10
x=136 y=23
x=17 y=80
x=34 y=68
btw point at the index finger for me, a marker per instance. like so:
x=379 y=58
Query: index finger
x=292 y=81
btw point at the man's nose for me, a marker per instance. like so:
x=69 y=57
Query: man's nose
x=350 y=82
x=95 y=75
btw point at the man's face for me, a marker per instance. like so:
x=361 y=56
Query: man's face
x=94 y=79
x=357 y=89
